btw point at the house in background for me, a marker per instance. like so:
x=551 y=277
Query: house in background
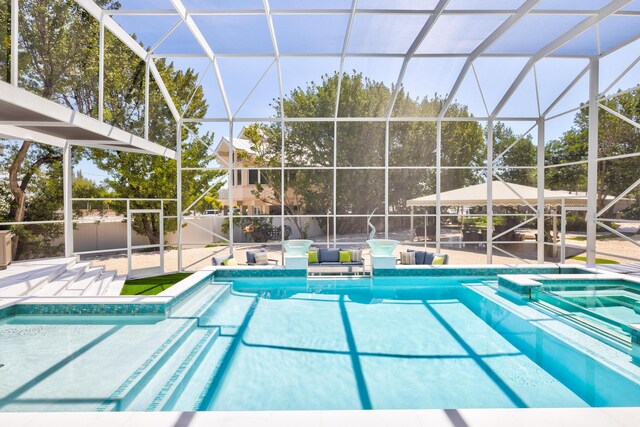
x=244 y=180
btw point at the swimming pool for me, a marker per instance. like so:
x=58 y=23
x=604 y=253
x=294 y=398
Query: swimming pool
x=298 y=343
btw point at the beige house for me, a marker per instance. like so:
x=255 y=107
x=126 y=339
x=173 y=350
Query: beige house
x=244 y=180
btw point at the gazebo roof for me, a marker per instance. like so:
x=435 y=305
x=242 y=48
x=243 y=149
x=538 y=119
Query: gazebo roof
x=504 y=194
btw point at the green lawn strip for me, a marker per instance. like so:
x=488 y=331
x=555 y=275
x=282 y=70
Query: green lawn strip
x=610 y=236
x=152 y=285
x=598 y=260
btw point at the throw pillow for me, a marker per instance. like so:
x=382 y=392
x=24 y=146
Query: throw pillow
x=230 y=262
x=329 y=254
x=438 y=260
x=313 y=257
x=261 y=258
x=345 y=256
x=407 y=258
x=251 y=255
x=356 y=255
x=219 y=260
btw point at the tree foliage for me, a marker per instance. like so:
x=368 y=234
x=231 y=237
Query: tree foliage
x=362 y=145
x=59 y=60
x=615 y=137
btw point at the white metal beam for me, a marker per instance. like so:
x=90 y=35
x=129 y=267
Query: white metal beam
x=23 y=99
x=67 y=194
x=14 y=42
x=574 y=32
x=15 y=132
x=592 y=165
x=99 y=14
x=345 y=46
x=197 y=34
x=540 y=188
x=565 y=91
x=482 y=47
x=424 y=32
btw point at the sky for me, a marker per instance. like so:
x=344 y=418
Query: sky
x=389 y=33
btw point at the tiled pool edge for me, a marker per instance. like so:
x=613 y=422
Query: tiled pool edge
x=547 y=417
x=162 y=303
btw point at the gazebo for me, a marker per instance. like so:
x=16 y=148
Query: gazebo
x=503 y=193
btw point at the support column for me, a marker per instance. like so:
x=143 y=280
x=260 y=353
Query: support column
x=592 y=161
x=101 y=73
x=67 y=192
x=179 y=190
x=146 y=98
x=230 y=181
x=14 y=42
x=438 y=184
x=386 y=180
x=490 y=191
x=540 y=185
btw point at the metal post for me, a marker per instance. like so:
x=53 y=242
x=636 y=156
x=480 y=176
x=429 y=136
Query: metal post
x=411 y=225
x=438 y=183
x=335 y=181
x=563 y=231
x=101 y=72
x=146 y=98
x=386 y=179
x=489 y=191
x=129 y=238
x=67 y=182
x=230 y=182
x=540 y=185
x=15 y=35
x=161 y=219
x=554 y=211
x=592 y=161
x=179 y=190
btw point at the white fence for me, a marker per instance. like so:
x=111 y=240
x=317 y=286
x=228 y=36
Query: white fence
x=112 y=233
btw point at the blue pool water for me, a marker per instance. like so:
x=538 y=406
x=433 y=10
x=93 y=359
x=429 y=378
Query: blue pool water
x=282 y=344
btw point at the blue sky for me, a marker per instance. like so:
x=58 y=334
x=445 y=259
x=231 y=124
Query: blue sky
x=249 y=34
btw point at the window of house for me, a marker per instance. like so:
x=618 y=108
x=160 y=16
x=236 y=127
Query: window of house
x=253 y=176
x=239 y=177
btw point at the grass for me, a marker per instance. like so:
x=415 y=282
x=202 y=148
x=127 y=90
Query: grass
x=598 y=260
x=152 y=285
x=609 y=236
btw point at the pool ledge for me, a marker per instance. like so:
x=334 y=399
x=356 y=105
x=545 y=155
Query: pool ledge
x=544 y=417
x=520 y=286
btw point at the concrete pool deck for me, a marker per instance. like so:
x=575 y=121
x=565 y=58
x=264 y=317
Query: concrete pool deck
x=581 y=417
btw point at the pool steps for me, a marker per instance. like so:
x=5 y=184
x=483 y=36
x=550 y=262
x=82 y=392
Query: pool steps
x=65 y=277
x=194 y=349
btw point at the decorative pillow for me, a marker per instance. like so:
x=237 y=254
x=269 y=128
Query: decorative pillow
x=428 y=257
x=420 y=257
x=407 y=258
x=345 y=256
x=329 y=254
x=229 y=262
x=251 y=255
x=219 y=260
x=438 y=260
x=313 y=257
x=356 y=255
x=261 y=258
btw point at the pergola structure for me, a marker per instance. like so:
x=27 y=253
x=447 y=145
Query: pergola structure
x=405 y=33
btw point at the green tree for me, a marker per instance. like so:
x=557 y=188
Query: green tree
x=362 y=144
x=522 y=153
x=615 y=138
x=5 y=40
x=59 y=61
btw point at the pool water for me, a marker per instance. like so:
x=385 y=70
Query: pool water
x=289 y=344
x=613 y=304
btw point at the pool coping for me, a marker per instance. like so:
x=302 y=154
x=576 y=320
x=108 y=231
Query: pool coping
x=160 y=304
x=543 y=417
